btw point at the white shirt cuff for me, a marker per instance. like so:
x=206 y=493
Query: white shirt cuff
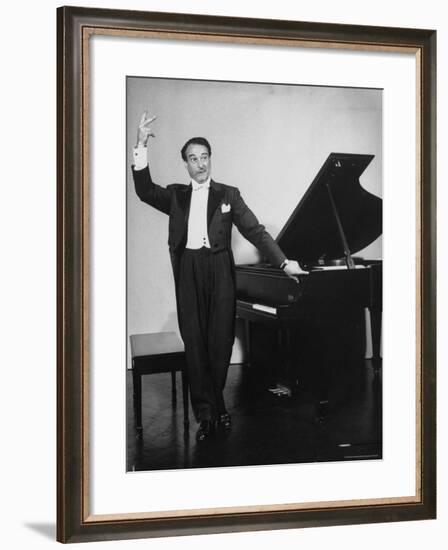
x=140 y=157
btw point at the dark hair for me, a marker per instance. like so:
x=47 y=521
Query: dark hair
x=197 y=141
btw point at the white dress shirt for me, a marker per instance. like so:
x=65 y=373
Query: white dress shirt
x=197 y=220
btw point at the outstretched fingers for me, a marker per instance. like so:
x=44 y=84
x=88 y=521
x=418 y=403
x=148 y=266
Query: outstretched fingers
x=152 y=119
x=145 y=122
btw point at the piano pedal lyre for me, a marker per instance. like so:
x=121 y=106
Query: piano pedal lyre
x=280 y=390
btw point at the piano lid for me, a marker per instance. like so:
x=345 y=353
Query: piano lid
x=312 y=232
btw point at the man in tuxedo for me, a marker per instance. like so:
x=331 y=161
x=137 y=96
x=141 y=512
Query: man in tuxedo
x=201 y=216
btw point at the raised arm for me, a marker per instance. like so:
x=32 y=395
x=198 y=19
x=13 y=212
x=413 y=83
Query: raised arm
x=148 y=191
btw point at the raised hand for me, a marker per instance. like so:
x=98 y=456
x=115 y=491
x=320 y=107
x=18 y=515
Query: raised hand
x=144 y=130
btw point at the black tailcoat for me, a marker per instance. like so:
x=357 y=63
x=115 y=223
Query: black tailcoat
x=225 y=207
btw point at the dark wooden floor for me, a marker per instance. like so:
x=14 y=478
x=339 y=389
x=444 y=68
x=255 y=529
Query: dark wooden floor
x=266 y=429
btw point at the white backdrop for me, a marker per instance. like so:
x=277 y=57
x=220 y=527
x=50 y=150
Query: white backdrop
x=309 y=121
x=28 y=275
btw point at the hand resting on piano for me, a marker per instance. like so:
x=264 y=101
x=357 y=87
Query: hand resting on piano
x=293 y=270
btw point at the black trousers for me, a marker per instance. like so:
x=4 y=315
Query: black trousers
x=206 y=302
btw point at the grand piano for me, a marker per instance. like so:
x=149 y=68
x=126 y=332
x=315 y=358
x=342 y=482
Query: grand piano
x=319 y=322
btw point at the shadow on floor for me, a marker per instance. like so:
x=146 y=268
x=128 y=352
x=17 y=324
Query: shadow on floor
x=266 y=429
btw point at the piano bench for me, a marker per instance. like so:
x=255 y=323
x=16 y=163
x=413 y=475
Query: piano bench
x=156 y=353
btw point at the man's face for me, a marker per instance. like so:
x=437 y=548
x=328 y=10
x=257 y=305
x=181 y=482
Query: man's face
x=198 y=162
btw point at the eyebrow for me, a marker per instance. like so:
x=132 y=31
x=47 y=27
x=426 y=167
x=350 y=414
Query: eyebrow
x=192 y=155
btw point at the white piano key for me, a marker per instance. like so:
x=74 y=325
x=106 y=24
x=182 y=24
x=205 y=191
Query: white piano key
x=266 y=309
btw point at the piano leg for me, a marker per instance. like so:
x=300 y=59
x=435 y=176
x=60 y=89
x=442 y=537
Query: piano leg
x=247 y=337
x=375 y=326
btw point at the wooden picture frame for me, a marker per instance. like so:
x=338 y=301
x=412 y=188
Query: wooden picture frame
x=75 y=523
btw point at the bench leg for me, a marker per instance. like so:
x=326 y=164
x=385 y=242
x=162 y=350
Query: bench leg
x=173 y=389
x=185 y=398
x=137 y=382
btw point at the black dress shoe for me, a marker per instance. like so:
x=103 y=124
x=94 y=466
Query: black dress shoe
x=206 y=429
x=224 y=421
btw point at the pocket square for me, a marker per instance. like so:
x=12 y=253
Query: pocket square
x=225 y=208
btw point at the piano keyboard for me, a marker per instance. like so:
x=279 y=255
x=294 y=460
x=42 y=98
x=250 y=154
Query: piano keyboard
x=335 y=267
x=266 y=309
